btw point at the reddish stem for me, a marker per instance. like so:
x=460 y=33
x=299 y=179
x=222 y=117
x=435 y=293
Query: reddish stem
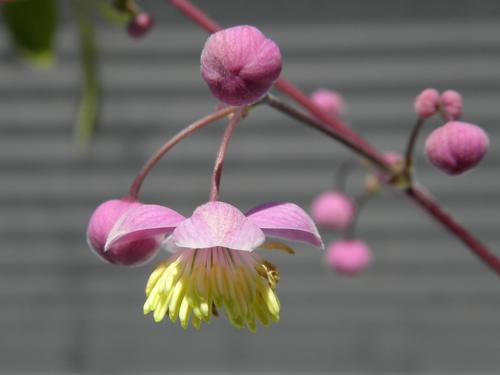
x=350 y=136
x=449 y=222
x=136 y=184
x=221 y=154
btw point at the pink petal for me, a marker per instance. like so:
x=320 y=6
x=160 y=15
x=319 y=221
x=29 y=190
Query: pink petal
x=217 y=224
x=286 y=220
x=142 y=222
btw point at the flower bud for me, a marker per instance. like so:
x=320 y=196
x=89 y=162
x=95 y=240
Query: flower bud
x=456 y=147
x=240 y=64
x=329 y=101
x=333 y=210
x=128 y=254
x=140 y=25
x=427 y=103
x=349 y=256
x=451 y=103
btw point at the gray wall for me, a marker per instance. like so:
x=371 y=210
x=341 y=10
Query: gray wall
x=426 y=304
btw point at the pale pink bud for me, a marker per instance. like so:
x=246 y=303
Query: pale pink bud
x=240 y=64
x=329 y=101
x=349 y=256
x=127 y=254
x=140 y=25
x=427 y=103
x=451 y=102
x=333 y=210
x=456 y=147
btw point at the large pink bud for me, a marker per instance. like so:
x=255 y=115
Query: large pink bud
x=427 y=103
x=456 y=147
x=349 y=256
x=240 y=64
x=127 y=254
x=451 y=102
x=333 y=210
x=329 y=101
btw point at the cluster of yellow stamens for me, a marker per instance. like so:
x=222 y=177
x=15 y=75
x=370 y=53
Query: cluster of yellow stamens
x=195 y=283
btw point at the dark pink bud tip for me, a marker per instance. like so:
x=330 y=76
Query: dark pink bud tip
x=140 y=25
x=451 y=102
x=456 y=147
x=240 y=64
x=427 y=103
x=349 y=256
x=333 y=210
x=127 y=254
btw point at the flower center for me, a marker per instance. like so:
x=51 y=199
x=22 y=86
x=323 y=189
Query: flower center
x=195 y=283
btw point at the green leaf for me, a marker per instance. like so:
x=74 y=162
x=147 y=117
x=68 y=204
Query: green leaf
x=88 y=110
x=113 y=15
x=32 y=26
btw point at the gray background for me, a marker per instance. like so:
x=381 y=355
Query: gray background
x=426 y=304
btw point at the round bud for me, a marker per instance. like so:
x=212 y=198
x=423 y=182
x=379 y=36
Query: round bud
x=128 y=254
x=240 y=64
x=451 y=102
x=456 y=147
x=427 y=103
x=329 y=101
x=333 y=210
x=140 y=25
x=349 y=256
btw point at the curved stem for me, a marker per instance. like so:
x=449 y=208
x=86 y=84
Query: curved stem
x=360 y=201
x=340 y=180
x=221 y=154
x=449 y=223
x=136 y=184
x=332 y=133
x=411 y=144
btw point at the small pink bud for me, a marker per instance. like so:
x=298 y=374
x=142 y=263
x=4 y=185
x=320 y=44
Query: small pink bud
x=140 y=25
x=395 y=160
x=456 y=146
x=349 y=256
x=128 y=254
x=427 y=103
x=333 y=210
x=451 y=102
x=240 y=64
x=329 y=101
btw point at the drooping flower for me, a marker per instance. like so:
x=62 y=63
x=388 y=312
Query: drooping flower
x=133 y=252
x=333 y=210
x=213 y=266
x=240 y=64
x=456 y=147
x=329 y=101
x=427 y=103
x=349 y=256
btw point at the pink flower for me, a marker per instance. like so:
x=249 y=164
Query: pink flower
x=333 y=210
x=456 y=147
x=140 y=25
x=128 y=252
x=427 y=103
x=240 y=64
x=451 y=102
x=349 y=256
x=213 y=265
x=329 y=101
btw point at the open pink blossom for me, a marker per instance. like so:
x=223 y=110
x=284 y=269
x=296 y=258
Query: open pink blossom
x=129 y=251
x=213 y=265
x=349 y=256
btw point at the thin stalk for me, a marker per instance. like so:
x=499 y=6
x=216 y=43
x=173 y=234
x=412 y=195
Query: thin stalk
x=136 y=184
x=221 y=154
x=360 y=203
x=340 y=180
x=410 y=147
